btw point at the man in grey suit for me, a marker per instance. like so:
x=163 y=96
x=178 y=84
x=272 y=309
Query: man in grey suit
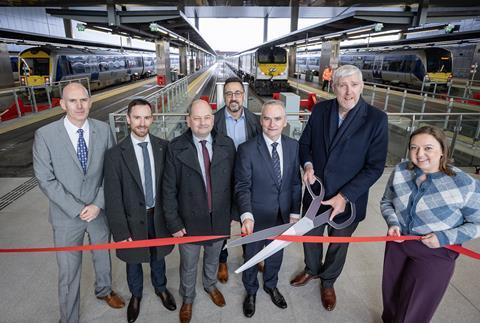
x=68 y=163
x=240 y=124
x=133 y=177
x=197 y=197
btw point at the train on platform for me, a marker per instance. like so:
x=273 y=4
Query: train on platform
x=45 y=65
x=403 y=67
x=264 y=68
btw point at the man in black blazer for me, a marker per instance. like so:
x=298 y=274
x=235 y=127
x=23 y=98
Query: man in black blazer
x=240 y=124
x=133 y=176
x=197 y=190
x=268 y=193
x=345 y=145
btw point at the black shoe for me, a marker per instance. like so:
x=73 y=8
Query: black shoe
x=249 y=305
x=167 y=300
x=133 y=309
x=276 y=297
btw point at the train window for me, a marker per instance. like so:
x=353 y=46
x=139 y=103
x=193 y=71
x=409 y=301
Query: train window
x=34 y=66
x=14 y=63
x=439 y=60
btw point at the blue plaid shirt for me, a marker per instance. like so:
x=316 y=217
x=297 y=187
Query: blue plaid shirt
x=449 y=206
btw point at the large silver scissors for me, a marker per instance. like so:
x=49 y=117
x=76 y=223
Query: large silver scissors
x=310 y=221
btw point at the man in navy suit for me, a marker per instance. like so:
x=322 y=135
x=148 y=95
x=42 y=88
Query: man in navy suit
x=268 y=193
x=345 y=145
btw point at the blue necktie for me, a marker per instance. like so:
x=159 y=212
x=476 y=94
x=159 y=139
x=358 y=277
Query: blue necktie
x=276 y=163
x=82 y=151
x=147 y=171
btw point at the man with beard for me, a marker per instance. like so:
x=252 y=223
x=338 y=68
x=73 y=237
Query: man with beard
x=240 y=124
x=345 y=145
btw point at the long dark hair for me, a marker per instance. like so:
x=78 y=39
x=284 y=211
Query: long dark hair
x=439 y=135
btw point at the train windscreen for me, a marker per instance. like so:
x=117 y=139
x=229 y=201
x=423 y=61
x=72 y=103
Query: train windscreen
x=34 y=66
x=439 y=60
x=270 y=55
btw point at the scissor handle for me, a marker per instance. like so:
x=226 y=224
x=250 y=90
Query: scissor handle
x=347 y=222
x=322 y=189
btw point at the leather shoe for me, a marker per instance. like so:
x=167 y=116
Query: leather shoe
x=276 y=297
x=329 y=299
x=167 y=300
x=133 y=309
x=222 y=274
x=249 y=305
x=185 y=313
x=302 y=279
x=113 y=300
x=216 y=297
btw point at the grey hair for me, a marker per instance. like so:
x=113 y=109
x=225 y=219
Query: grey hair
x=346 y=70
x=273 y=102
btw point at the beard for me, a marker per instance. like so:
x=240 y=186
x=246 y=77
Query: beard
x=234 y=106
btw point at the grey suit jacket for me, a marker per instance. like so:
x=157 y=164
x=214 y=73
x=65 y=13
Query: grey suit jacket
x=60 y=174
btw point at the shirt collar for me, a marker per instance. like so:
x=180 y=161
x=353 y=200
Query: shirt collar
x=135 y=141
x=71 y=128
x=269 y=141
x=229 y=116
x=197 y=140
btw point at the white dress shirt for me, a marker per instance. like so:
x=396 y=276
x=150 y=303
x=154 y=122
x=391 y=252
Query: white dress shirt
x=140 y=162
x=198 y=146
x=73 y=134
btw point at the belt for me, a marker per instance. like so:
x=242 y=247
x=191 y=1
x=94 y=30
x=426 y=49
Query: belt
x=150 y=211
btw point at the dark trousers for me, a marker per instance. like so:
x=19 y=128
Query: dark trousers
x=415 y=278
x=335 y=258
x=223 y=254
x=325 y=84
x=271 y=268
x=157 y=268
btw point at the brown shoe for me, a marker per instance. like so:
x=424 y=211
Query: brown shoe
x=222 y=274
x=185 y=313
x=302 y=279
x=329 y=299
x=113 y=300
x=216 y=297
x=260 y=267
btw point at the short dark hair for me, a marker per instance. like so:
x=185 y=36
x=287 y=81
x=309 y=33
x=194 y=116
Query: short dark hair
x=137 y=101
x=232 y=79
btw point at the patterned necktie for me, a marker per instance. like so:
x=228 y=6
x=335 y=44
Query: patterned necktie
x=147 y=172
x=82 y=151
x=206 y=163
x=276 y=163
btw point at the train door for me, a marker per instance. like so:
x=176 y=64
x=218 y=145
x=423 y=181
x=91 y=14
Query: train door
x=377 y=67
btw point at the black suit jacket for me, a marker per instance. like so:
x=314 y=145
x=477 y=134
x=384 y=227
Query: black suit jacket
x=256 y=189
x=185 y=196
x=252 y=123
x=125 y=199
x=348 y=159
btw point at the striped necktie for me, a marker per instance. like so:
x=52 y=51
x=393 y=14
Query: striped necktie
x=82 y=151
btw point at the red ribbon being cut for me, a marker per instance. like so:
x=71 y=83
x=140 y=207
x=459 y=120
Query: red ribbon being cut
x=173 y=241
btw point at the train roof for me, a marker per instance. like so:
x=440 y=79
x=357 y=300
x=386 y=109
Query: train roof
x=83 y=51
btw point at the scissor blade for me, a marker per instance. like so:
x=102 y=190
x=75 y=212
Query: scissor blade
x=313 y=208
x=299 y=228
x=259 y=235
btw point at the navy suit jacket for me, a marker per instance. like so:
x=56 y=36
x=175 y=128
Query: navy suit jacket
x=256 y=190
x=349 y=159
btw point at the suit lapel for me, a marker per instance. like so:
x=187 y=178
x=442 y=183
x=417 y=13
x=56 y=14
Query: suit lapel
x=157 y=158
x=188 y=155
x=91 y=143
x=128 y=154
x=352 y=123
x=288 y=156
x=219 y=154
x=66 y=142
x=263 y=151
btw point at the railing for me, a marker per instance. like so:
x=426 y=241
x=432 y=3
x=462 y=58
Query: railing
x=462 y=129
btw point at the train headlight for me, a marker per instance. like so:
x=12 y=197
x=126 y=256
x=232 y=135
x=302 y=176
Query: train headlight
x=23 y=81
x=46 y=79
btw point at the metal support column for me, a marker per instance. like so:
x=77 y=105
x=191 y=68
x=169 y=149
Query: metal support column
x=162 y=48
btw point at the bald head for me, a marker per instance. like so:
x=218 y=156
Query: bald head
x=75 y=86
x=76 y=103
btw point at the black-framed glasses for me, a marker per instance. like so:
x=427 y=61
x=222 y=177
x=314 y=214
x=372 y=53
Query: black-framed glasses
x=236 y=94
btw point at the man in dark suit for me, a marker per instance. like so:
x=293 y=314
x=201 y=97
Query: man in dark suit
x=240 y=124
x=345 y=145
x=133 y=176
x=68 y=159
x=268 y=193
x=197 y=190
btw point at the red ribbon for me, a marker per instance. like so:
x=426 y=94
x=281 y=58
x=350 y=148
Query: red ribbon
x=173 y=241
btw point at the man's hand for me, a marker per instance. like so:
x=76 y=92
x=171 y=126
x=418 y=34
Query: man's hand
x=309 y=175
x=394 y=231
x=247 y=226
x=89 y=212
x=293 y=219
x=180 y=233
x=126 y=240
x=431 y=240
x=338 y=204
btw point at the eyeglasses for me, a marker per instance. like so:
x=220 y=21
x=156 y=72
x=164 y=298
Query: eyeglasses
x=236 y=94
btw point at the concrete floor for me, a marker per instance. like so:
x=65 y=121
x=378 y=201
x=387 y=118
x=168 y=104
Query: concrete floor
x=29 y=281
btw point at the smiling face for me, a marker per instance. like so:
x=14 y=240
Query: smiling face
x=273 y=120
x=426 y=152
x=76 y=103
x=200 y=119
x=348 y=89
x=140 y=119
x=233 y=96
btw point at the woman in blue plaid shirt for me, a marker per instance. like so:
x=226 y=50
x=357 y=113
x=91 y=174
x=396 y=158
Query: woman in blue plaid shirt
x=427 y=197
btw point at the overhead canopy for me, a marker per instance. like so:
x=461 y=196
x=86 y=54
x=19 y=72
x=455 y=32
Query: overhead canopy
x=169 y=24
